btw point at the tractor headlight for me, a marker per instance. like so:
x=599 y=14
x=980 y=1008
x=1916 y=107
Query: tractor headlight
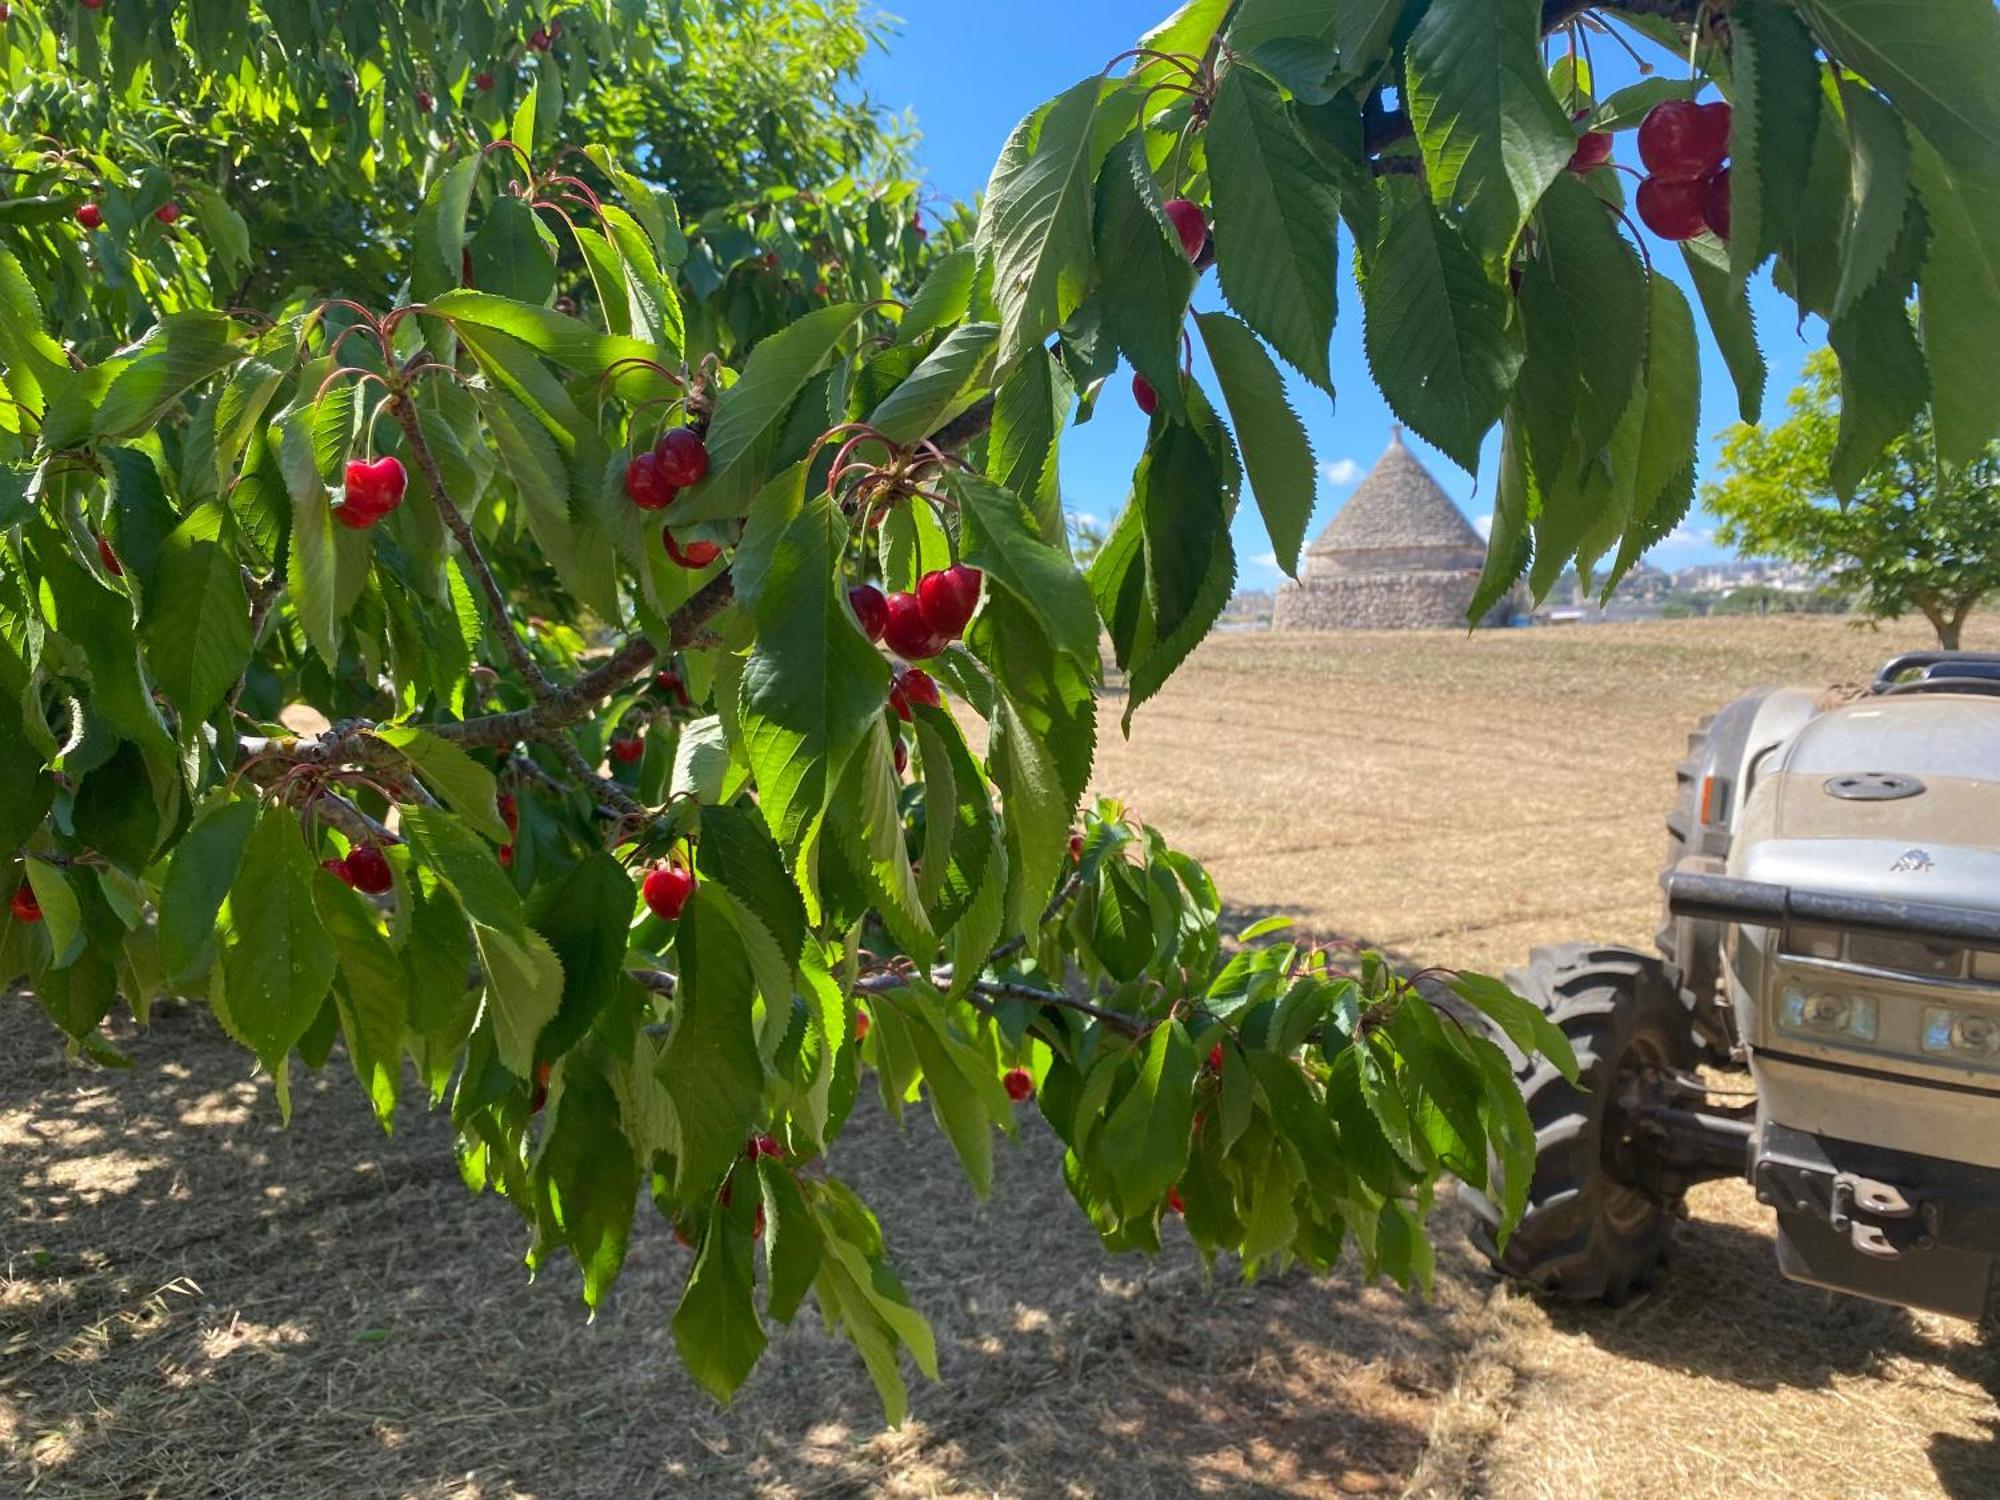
x=1827 y=1015
x=1964 y=1036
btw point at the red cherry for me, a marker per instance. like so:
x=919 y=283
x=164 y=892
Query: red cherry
x=690 y=554
x=870 y=609
x=167 y=212
x=906 y=632
x=1593 y=149
x=948 y=598
x=917 y=227
x=510 y=811
x=902 y=758
x=764 y=1145
x=683 y=457
x=539 y=39
x=24 y=905
x=669 y=682
x=1019 y=1083
x=1174 y=1201
x=645 y=486
x=1215 y=1058
x=627 y=748
x=860 y=1024
x=424 y=101
x=1715 y=203
x=506 y=856
x=368 y=870
x=92 y=4
x=666 y=889
x=541 y=1094
x=109 y=558
x=1672 y=209
x=1680 y=140
x=915 y=686
x=375 y=488
x=1076 y=848
x=1144 y=396
x=483 y=82
x=89 y=215
x=1190 y=223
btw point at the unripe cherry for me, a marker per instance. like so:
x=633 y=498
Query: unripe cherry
x=666 y=889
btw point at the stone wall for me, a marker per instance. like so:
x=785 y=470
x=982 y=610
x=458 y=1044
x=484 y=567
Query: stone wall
x=1349 y=560
x=1376 y=601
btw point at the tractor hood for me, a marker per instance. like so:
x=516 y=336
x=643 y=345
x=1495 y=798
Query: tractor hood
x=1895 y=797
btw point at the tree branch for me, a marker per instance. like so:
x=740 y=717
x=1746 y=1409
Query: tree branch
x=511 y=642
x=1557 y=14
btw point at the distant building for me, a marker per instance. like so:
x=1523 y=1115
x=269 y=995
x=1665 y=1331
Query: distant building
x=1398 y=556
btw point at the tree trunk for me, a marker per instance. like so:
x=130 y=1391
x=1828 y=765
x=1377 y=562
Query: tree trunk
x=1948 y=634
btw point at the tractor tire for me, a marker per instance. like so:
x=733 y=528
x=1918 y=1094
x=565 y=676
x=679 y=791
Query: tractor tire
x=1587 y=1232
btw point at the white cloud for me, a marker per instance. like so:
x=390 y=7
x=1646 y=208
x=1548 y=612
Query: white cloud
x=1484 y=525
x=1342 y=471
x=1265 y=560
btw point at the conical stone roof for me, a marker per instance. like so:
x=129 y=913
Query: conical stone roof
x=1397 y=507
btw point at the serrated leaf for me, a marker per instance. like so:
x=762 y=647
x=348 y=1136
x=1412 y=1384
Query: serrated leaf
x=196 y=627
x=1883 y=379
x=1522 y=1020
x=1030 y=410
x=750 y=413
x=1439 y=337
x=1276 y=451
x=509 y=258
x=177 y=353
x=1878 y=194
x=570 y=342
x=1144 y=1144
x=278 y=961
x=465 y=786
x=60 y=913
x=585 y=920
x=1492 y=133
x=1277 y=219
x=1663 y=474
x=524 y=987
x=711 y=1066
x=1036 y=224
x=1507 y=541
x=1732 y=323
x=591 y=1175
x=1775 y=70
x=716 y=1327
x=941 y=386
x=943 y=298
x=1959 y=293
x=997 y=537
x=1145 y=301
x=198 y=878
x=369 y=996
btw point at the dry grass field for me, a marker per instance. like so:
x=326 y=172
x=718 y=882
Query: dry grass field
x=196 y=1303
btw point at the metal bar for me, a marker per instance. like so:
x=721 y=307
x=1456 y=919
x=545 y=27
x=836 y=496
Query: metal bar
x=1724 y=898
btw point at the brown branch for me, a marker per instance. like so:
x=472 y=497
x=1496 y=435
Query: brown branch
x=628 y=807
x=405 y=413
x=1557 y=14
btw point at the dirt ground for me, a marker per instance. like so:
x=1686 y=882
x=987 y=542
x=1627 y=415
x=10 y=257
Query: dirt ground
x=194 y=1302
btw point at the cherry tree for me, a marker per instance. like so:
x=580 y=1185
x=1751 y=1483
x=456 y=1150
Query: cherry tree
x=710 y=694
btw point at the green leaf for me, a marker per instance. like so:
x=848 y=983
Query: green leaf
x=1730 y=320
x=711 y=1067
x=509 y=258
x=196 y=627
x=1936 y=62
x=961 y=841
x=944 y=384
x=716 y=1327
x=1583 y=304
x=1883 y=379
x=570 y=342
x=1522 y=1020
x=524 y=988
x=1492 y=133
x=1036 y=814
x=1364 y=29
x=1144 y=1144
x=944 y=297
x=1277 y=217
x=585 y=920
x=1145 y=301
x=1275 y=448
x=1662 y=476
x=439 y=238
x=60 y=912
x=1631 y=104
x=1508 y=1127
x=179 y=352
x=464 y=785
x=139 y=516
x=651 y=301
x=1878 y=194
x=737 y=853
x=1036 y=224
x=441 y=842
x=1959 y=292
x=1775 y=70
x=812 y=683
x=239 y=412
x=1440 y=339
x=278 y=963
x=202 y=869
x=865 y=821
x=369 y=995
x=591 y=1176
x=1030 y=410
x=998 y=538
x=793 y=1244
x=751 y=412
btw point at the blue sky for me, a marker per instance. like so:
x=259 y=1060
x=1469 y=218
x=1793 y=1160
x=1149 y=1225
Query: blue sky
x=970 y=69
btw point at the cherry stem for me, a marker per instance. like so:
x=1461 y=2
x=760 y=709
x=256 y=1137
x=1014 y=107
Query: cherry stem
x=1187 y=64
x=1638 y=240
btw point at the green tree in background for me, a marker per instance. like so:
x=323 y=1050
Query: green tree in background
x=1916 y=536
x=671 y=563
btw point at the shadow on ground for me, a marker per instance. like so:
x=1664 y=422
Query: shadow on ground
x=196 y=1301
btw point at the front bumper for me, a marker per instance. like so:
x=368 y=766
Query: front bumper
x=1914 y=1230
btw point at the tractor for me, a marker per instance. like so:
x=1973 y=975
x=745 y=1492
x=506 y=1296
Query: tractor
x=1822 y=1015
